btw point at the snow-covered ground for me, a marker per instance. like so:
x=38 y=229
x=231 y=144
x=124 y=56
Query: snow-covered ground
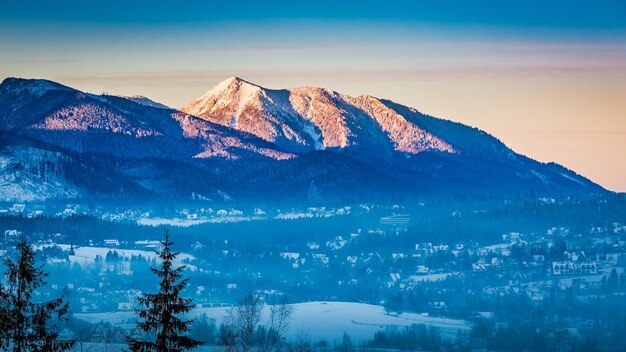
x=431 y=277
x=328 y=320
x=190 y=222
x=119 y=347
x=18 y=183
x=170 y=222
x=156 y=221
x=85 y=256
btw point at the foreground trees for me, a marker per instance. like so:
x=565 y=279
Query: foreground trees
x=26 y=325
x=163 y=330
x=242 y=331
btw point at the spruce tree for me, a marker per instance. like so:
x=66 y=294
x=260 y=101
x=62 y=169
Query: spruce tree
x=5 y=328
x=28 y=326
x=163 y=330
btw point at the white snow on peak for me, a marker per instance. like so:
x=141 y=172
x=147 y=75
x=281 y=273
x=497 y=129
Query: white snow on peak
x=312 y=118
x=145 y=101
x=231 y=92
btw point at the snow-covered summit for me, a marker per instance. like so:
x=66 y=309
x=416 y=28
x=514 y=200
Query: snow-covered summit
x=312 y=118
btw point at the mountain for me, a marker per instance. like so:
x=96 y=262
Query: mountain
x=51 y=112
x=435 y=153
x=240 y=141
x=307 y=119
x=140 y=99
x=112 y=147
x=140 y=141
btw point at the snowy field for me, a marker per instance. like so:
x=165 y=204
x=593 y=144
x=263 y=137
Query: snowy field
x=191 y=222
x=431 y=277
x=117 y=347
x=317 y=320
x=85 y=256
x=170 y=222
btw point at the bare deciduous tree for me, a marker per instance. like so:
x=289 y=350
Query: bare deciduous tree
x=242 y=330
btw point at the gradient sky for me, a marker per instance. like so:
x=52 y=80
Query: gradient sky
x=548 y=79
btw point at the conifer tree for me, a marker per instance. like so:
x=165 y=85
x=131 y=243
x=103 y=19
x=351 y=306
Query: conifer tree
x=28 y=326
x=163 y=330
x=4 y=320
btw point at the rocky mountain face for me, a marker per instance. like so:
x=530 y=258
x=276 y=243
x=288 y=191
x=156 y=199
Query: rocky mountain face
x=308 y=119
x=439 y=154
x=241 y=141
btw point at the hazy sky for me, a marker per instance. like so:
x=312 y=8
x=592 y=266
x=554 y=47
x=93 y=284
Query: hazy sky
x=549 y=80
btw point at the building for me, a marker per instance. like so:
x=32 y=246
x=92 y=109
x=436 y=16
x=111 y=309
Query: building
x=399 y=220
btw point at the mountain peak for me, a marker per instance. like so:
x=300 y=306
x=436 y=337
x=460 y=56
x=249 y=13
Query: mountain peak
x=142 y=100
x=37 y=87
x=313 y=118
x=230 y=97
x=232 y=83
x=238 y=80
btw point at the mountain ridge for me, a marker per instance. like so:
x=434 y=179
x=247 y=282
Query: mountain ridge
x=249 y=142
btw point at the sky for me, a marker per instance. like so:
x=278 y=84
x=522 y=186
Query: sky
x=546 y=78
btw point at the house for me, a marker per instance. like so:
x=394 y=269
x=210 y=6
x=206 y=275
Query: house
x=587 y=267
x=111 y=242
x=563 y=267
x=125 y=306
x=290 y=255
x=69 y=212
x=117 y=335
x=442 y=248
x=313 y=245
x=495 y=261
x=337 y=244
x=17 y=208
x=136 y=334
x=438 y=307
x=100 y=333
x=398 y=256
x=399 y=220
x=196 y=246
x=571 y=267
x=235 y=212
x=596 y=230
x=480 y=265
x=11 y=233
x=148 y=244
x=512 y=237
x=322 y=258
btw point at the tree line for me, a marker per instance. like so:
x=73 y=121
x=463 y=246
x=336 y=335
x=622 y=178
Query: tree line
x=31 y=324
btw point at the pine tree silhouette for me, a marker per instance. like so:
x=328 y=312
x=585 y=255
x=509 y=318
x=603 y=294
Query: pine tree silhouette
x=28 y=326
x=162 y=330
